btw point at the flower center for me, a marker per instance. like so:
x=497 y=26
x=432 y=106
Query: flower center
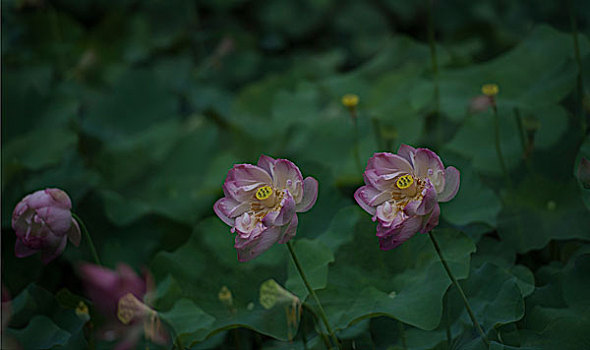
x=403 y=182
x=263 y=193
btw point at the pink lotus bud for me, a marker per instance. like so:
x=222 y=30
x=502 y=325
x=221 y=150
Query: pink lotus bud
x=43 y=222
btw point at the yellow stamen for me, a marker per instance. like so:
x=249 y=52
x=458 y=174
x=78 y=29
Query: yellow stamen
x=350 y=100
x=490 y=89
x=404 y=182
x=263 y=193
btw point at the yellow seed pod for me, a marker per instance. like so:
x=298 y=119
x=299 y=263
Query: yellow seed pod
x=404 y=181
x=263 y=193
x=82 y=309
x=490 y=89
x=225 y=296
x=350 y=100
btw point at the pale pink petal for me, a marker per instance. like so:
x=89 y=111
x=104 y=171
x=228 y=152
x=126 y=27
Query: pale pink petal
x=427 y=163
x=432 y=220
x=283 y=171
x=284 y=215
x=22 y=251
x=452 y=180
x=74 y=233
x=401 y=233
x=250 y=249
x=60 y=197
x=290 y=231
x=310 y=195
x=424 y=205
x=406 y=152
x=228 y=209
x=59 y=220
x=248 y=177
x=386 y=163
x=369 y=198
x=48 y=255
x=267 y=163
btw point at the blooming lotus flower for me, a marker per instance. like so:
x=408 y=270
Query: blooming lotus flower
x=402 y=192
x=261 y=203
x=43 y=222
x=117 y=295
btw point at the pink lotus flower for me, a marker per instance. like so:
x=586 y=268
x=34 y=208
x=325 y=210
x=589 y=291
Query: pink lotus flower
x=261 y=202
x=118 y=296
x=402 y=192
x=43 y=222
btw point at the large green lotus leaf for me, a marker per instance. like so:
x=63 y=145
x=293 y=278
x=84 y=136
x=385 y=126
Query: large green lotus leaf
x=494 y=295
x=314 y=258
x=206 y=264
x=297 y=107
x=173 y=181
x=188 y=321
x=40 y=333
x=136 y=102
x=407 y=283
x=532 y=217
x=523 y=81
x=475 y=140
x=341 y=230
x=474 y=203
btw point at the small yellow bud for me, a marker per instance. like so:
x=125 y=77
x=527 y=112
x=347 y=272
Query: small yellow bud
x=82 y=310
x=350 y=100
x=272 y=293
x=490 y=89
x=225 y=296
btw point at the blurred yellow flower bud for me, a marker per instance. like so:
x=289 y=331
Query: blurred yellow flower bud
x=490 y=89
x=271 y=293
x=225 y=296
x=82 y=311
x=350 y=100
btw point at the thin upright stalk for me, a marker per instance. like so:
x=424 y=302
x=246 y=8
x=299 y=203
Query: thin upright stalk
x=402 y=333
x=321 y=312
x=88 y=238
x=454 y=280
x=498 y=148
x=580 y=82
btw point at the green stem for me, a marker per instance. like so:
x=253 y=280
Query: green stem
x=88 y=238
x=454 y=280
x=322 y=313
x=498 y=148
x=580 y=82
x=448 y=321
x=402 y=333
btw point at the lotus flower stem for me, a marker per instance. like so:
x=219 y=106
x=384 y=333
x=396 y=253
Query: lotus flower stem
x=454 y=280
x=322 y=313
x=88 y=238
x=498 y=148
x=580 y=81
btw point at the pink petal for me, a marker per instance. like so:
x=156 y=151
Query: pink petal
x=60 y=197
x=59 y=220
x=48 y=255
x=251 y=248
x=432 y=220
x=386 y=163
x=290 y=231
x=369 y=197
x=310 y=195
x=406 y=152
x=246 y=178
x=283 y=171
x=426 y=162
x=21 y=250
x=401 y=233
x=284 y=215
x=228 y=209
x=74 y=233
x=267 y=163
x=424 y=205
x=452 y=180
